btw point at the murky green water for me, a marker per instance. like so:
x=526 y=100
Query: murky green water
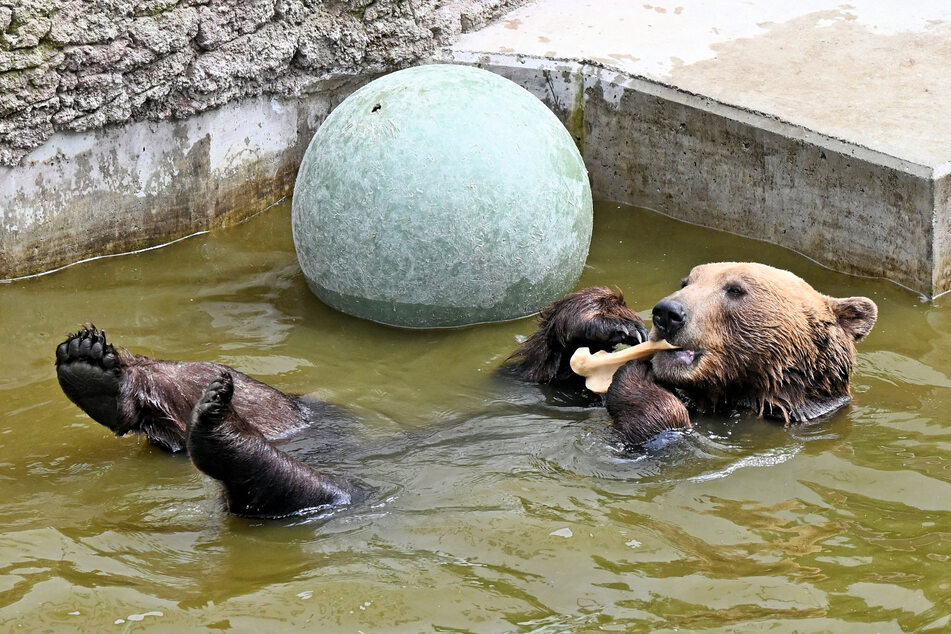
x=494 y=507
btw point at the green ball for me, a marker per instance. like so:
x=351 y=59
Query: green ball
x=441 y=196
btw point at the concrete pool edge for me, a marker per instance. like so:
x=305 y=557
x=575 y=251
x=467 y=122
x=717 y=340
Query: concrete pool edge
x=645 y=143
x=649 y=144
x=125 y=188
x=124 y=127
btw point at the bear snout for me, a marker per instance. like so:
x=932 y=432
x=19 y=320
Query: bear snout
x=669 y=317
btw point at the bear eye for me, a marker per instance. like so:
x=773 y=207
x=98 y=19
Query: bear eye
x=734 y=290
x=684 y=282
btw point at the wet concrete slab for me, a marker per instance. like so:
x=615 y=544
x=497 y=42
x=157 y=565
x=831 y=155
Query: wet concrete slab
x=819 y=126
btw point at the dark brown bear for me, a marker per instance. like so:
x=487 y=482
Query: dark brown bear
x=224 y=417
x=751 y=337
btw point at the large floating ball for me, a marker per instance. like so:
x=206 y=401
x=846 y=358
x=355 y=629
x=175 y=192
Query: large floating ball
x=441 y=196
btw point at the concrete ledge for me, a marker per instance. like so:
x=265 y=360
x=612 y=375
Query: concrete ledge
x=801 y=125
x=815 y=125
x=692 y=157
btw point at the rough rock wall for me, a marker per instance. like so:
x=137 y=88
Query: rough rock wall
x=77 y=65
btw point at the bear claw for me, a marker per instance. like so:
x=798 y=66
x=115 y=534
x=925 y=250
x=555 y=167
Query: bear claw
x=222 y=388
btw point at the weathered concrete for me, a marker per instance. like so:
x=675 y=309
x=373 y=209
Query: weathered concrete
x=123 y=188
x=126 y=123
x=824 y=128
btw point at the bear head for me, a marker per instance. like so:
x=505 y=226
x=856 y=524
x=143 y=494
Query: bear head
x=753 y=336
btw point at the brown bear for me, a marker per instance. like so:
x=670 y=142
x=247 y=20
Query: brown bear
x=223 y=417
x=226 y=419
x=750 y=336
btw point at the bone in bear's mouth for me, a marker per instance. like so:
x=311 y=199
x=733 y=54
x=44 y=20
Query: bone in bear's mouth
x=599 y=368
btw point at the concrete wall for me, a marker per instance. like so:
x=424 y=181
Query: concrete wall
x=942 y=231
x=123 y=188
x=838 y=206
x=128 y=123
x=695 y=159
x=125 y=124
x=77 y=65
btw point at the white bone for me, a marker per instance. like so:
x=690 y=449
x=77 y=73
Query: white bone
x=599 y=368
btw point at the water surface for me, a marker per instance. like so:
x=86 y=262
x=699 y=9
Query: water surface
x=494 y=506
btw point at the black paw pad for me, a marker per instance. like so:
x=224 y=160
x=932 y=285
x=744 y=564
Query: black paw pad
x=214 y=402
x=89 y=372
x=220 y=390
x=88 y=345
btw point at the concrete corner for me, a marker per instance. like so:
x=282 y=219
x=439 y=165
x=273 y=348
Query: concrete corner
x=820 y=127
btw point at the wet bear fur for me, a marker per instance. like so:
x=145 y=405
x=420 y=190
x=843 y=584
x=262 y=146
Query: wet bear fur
x=751 y=337
x=130 y=393
x=257 y=479
x=224 y=418
x=595 y=318
x=598 y=318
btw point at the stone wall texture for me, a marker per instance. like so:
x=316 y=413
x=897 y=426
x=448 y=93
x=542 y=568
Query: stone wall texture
x=79 y=65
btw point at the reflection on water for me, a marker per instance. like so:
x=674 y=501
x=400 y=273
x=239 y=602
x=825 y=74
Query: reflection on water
x=490 y=505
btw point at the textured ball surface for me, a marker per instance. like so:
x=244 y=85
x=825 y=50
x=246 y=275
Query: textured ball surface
x=441 y=196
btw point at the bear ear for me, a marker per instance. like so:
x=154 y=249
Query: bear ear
x=856 y=315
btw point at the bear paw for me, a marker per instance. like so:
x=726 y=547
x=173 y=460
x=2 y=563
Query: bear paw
x=89 y=371
x=258 y=480
x=214 y=403
x=89 y=345
x=215 y=437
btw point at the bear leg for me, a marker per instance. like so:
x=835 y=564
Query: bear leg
x=258 y=479
x=640 y=408
x=89 y=373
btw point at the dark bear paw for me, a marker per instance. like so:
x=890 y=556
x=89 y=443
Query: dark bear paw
x=258 y=480
x=89 y=345
x=214 y=403
x=89 y=371
x=214 y=433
